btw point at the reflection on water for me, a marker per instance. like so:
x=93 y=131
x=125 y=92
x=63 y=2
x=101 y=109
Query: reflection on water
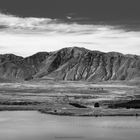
x=31 y=125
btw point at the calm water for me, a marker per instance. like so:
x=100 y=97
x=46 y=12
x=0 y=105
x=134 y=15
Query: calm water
x=31 y=125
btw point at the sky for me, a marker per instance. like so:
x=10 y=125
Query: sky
x=31 y=26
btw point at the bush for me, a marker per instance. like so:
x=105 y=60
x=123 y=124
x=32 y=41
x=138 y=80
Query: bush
x=96 y=105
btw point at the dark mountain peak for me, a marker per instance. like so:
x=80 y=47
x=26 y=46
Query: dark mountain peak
x=10 y=57
x=79 y=48
x=74 y=51
x=69 y=49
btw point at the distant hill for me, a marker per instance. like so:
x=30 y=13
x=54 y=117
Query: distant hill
x=71 y=64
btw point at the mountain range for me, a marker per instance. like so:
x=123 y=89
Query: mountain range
x=71 y=63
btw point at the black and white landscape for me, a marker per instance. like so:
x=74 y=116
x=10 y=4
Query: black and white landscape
x=63 y=63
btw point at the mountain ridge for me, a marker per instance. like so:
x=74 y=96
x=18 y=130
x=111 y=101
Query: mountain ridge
x=72 y=63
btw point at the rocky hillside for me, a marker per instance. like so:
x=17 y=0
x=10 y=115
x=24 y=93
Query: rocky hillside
x=71 y=64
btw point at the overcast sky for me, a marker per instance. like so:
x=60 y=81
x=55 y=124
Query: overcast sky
x=30 y=26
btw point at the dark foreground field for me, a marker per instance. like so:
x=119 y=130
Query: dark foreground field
x=72 y=98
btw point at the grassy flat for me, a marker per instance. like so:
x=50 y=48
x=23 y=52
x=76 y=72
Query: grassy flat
x=55 y=97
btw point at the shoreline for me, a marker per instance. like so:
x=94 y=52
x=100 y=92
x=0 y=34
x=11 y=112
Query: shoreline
x=76 y=112
x=130 y=113
x=107 y=115
x=77 y=115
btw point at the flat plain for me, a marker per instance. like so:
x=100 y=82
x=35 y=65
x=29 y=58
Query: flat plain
x=76 y=98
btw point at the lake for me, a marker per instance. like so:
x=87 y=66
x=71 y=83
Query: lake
x=32 y=125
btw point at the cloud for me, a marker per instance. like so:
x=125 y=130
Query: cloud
x=46 y=25
x=25 y=36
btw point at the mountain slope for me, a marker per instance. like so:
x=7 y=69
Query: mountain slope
x=71 y=64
